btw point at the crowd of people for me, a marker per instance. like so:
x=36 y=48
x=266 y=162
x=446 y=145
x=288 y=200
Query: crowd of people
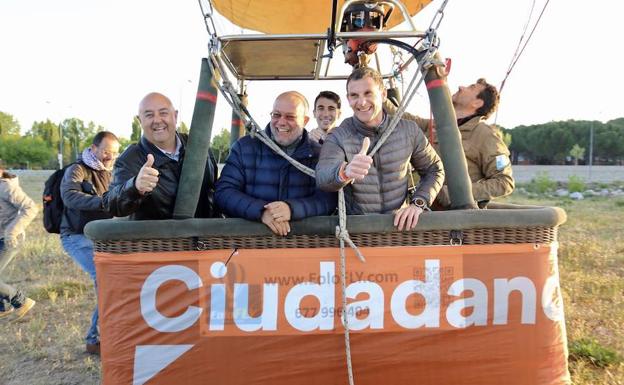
x=258 y=184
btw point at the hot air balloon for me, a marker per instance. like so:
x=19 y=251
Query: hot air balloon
x=469 y=297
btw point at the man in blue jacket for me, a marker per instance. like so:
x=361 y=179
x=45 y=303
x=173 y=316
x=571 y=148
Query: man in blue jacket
x=259 y=185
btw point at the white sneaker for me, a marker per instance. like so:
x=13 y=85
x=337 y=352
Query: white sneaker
x=25 y=308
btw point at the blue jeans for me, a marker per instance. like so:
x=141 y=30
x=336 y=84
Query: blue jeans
x=80 y=248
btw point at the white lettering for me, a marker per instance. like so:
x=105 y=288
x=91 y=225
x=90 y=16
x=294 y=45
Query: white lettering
x=374 y=304
x=552 y=303
x=478 y=302
x=429 y=290
x=324 y=292
x=502 y=288
x=152 y=316
x=267 y=320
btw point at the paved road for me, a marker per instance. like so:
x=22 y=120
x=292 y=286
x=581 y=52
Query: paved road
x=605 y=174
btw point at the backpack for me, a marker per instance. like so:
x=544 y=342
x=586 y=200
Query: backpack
x=53 y=206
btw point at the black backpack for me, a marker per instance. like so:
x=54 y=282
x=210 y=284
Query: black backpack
x=53 y=206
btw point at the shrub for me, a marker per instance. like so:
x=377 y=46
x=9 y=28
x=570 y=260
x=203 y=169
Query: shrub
x=576 y=184
x=592 y=351
x=541 y=183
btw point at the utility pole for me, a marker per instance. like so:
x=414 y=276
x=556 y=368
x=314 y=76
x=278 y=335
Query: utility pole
x=60 y=153
x=591 y=149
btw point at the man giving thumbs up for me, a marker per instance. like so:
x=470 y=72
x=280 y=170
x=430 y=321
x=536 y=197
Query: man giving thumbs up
x=146 y=175
x=378 y=184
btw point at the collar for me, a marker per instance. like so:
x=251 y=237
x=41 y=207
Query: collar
x=469 y=123
x=160 y=156
x=370 y=131
x=302 y=149
x=173 y=155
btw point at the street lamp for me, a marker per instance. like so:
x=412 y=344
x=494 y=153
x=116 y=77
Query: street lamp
x=60 y=153
x=60 y=148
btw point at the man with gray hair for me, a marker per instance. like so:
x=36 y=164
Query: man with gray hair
x=259 y=185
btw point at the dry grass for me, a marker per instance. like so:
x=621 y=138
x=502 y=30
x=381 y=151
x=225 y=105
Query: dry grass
x=47 y=346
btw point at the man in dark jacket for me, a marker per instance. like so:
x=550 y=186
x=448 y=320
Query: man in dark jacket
x=82 y=188
x=146 y=175
x=259 y=185
x=378 y=184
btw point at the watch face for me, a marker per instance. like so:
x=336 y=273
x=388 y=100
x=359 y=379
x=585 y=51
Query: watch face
x=419 y=202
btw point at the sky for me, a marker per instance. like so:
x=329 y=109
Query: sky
x=95 y=60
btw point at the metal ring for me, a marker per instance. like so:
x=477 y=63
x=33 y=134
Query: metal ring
x=456 y=241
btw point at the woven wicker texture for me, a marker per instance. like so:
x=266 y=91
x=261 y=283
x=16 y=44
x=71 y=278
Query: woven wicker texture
x=541 y=235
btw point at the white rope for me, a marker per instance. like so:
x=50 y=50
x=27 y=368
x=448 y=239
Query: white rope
x=343 y=236
x=342 y=233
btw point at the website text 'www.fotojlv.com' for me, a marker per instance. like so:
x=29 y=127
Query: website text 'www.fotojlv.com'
x=351 y=276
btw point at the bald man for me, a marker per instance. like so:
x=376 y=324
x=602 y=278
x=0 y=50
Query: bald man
x=146 y=175
x=259 y=185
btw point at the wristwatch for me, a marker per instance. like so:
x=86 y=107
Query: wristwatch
x=420 y=202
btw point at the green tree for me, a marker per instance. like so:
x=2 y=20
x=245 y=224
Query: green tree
x=47 y=131
x=577 y=152
x=77 y=136
x=8 y=125
x=220 y=145
x=136 y=130
x=27 y=152
x=124 y=143
x=507 y=138
x=550 y=143
x=183 y=129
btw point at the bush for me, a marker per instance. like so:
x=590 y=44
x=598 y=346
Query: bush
x=576 y=184
x=592 y=351
x=541 y=183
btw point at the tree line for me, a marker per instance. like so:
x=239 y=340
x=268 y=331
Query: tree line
x=568 y=142
x=39 y=147
x=560 y=142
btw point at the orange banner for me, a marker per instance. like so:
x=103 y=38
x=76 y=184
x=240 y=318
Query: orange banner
x=427 y=315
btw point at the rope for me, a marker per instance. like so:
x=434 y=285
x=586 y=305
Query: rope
x=430 y=43
x=519 y=51
x=343 y=235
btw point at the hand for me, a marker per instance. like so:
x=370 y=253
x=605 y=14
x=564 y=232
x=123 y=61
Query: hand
x=317 y=134
x=278 y=228
x=280 y=211
x=147 y=179
x=360 y=164
x=407 y=217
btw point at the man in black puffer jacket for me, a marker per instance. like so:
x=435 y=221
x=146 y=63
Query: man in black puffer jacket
x=146 y=175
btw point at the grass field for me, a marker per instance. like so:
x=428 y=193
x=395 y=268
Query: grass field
x=47 y=346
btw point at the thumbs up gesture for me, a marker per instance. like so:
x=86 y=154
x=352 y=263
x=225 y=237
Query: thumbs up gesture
x=360 y=164
x=147 y=179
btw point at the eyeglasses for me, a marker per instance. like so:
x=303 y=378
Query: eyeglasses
x=279 y=115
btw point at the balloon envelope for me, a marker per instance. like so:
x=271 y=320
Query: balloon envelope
x=293 y=16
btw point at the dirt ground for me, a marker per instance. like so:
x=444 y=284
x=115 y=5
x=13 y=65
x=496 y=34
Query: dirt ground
x=47 y=347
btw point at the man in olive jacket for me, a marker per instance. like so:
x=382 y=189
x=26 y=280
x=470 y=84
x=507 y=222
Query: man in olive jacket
x=146 y=175
x=378 y=184
x=487 y=155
